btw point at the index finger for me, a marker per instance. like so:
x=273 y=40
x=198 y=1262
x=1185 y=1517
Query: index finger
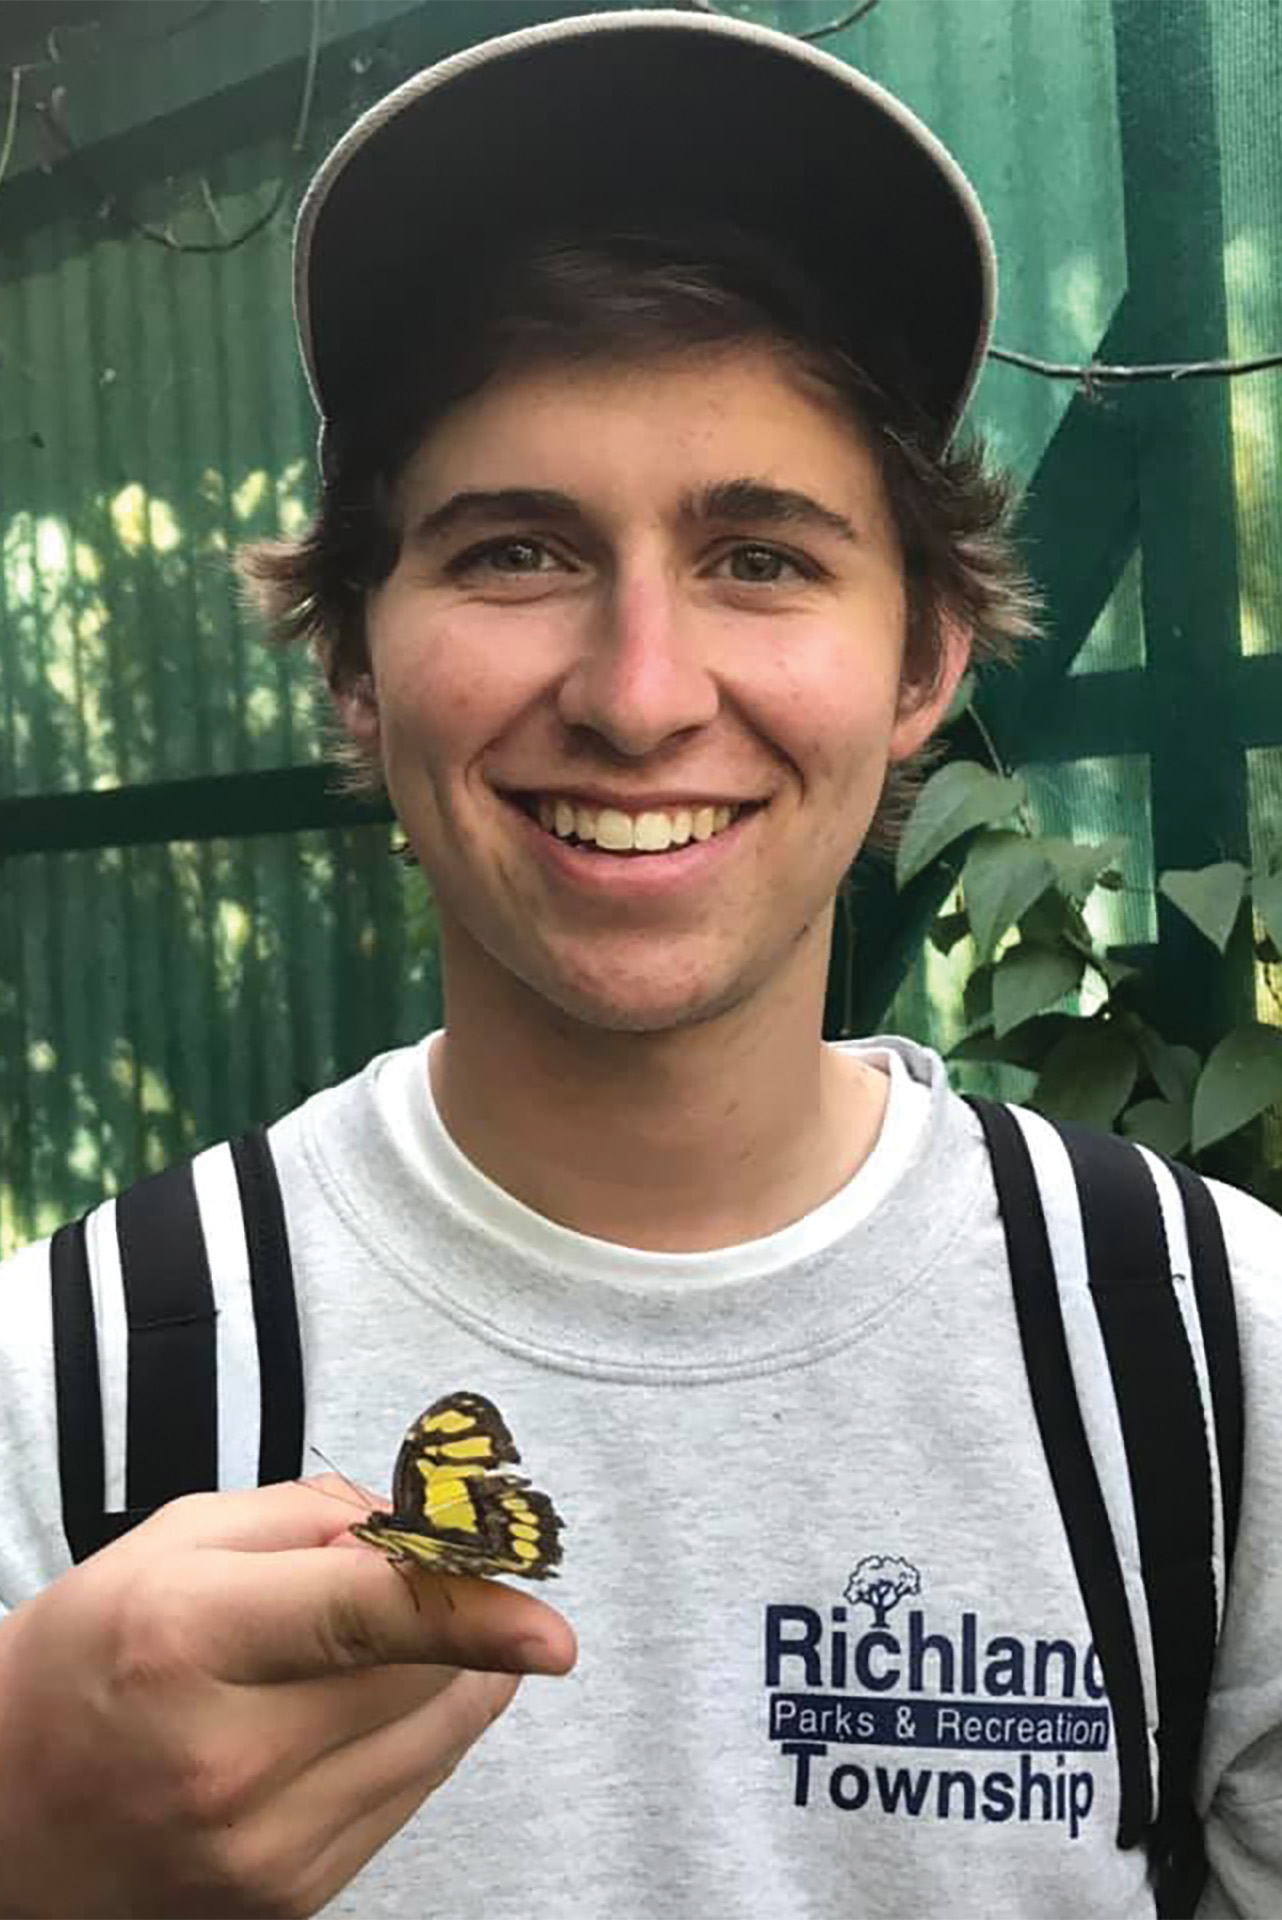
x=299 y=1614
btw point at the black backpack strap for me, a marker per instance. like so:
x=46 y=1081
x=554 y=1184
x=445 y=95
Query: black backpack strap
x=1167 y=1432
x=169 y=1297
x=1068 y=1456
x=271 y=1280
x=1213 y=1287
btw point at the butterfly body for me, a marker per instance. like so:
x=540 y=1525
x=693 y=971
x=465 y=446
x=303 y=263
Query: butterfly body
x=455 y=1507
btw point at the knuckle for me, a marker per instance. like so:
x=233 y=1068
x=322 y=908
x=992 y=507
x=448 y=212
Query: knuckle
x=153 y=1639
x=257 y=1877
x=346 y=1637
x=215 y=1786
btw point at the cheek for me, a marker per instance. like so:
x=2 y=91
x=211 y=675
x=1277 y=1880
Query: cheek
x=827 y=706
x=442 y=695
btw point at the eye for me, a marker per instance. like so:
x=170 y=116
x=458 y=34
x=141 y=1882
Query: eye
x=512 y=558
x=755 y=565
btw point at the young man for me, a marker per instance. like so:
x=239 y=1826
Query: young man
x=642 y=567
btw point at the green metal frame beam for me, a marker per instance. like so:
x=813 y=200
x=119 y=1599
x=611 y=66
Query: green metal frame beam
x=1131 y=711
x=1077 y=528
x=1184 y=454
x=233 y=806
x=138 y=113
x=142 y=65
x=1158 y=470
x=135 y=68
x=1085 y=482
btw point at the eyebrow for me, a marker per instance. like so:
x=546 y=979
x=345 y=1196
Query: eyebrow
x=495 y=505
x=750 y=502
x=741 y=502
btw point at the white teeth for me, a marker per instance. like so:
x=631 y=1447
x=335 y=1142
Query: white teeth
x=613 y=831
x=653 y=831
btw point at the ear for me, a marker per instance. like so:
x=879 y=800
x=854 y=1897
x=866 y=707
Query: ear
x=923 y=704
x=356 y=704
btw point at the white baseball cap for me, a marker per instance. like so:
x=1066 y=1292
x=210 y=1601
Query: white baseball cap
x=616 y=118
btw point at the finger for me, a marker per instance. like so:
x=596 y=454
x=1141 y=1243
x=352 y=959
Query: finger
x=295 y=1615
x=354 y=1801
x=288 y=1727
x=295 y=1513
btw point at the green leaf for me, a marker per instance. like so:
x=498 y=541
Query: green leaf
x=959 y=797
x=1211 y=897
x=1080 y=867
x=1047 y=920
x=948 y=929
x=1089 y=1075
x=1242 y=1076
x=1057 y=918
x=1159 y=1124
x=1266 y=891
x=1174 y=1069
x=1028 y=979
x=977 y=997
x=1114 y=973
x=1025 y=1046
x=1003 y=875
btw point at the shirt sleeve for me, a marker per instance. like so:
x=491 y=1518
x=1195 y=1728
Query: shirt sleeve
x=1240 y=1779
x=33 y=1547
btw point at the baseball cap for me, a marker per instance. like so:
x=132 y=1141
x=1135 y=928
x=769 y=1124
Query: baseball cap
x=616 y=118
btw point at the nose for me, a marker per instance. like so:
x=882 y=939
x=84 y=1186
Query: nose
x=639 y=681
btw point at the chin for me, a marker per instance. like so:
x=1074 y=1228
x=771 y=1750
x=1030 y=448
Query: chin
x=643 y=1007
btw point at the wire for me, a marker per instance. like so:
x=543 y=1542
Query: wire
x=160 y=236
x=1089 y=375
x=11 y=124
x=1100 y=373
x=850 y=19
x=227 y=244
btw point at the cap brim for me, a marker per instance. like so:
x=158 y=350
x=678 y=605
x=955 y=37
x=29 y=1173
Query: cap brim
x=615 y=118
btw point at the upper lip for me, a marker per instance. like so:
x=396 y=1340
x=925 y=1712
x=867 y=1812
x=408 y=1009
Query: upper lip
x=666 y=801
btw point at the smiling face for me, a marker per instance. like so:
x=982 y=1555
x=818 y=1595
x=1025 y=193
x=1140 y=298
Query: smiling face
x=635 y=683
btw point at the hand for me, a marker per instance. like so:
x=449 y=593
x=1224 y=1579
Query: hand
x=213 y=1718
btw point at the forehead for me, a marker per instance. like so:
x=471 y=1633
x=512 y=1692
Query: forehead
x=700 y=414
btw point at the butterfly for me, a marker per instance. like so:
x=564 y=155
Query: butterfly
x=454 y=1509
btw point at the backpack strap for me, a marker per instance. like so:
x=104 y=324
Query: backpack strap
x=271 y=1280
x=1151 y=1539
x=153 y=1295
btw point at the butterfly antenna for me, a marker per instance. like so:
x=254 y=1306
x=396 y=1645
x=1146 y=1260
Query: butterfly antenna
x=362 y=1498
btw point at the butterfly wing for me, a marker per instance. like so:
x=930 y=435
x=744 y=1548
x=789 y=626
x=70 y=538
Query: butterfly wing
x=461 y=1436
x=502 y=1525
x=452 y=1511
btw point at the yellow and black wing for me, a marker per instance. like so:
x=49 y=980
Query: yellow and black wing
x=454 y=1508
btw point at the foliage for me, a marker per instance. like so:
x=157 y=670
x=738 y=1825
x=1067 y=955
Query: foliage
x=1043 y=993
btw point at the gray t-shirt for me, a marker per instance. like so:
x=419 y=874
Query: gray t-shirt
x=834 y=1660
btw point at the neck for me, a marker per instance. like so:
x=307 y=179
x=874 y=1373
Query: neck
x=698 y=1137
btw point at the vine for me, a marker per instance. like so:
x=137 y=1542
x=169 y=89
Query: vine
x=1044 y=994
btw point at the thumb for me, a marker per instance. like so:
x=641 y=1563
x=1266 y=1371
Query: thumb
x=297 y=1614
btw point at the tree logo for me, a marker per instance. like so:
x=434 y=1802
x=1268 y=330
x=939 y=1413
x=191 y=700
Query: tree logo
x=880 y=1581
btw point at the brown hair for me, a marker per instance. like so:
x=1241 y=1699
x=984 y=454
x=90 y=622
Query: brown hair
x=620 y=296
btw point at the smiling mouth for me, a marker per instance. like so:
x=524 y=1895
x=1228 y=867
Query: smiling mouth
x=612 y=831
